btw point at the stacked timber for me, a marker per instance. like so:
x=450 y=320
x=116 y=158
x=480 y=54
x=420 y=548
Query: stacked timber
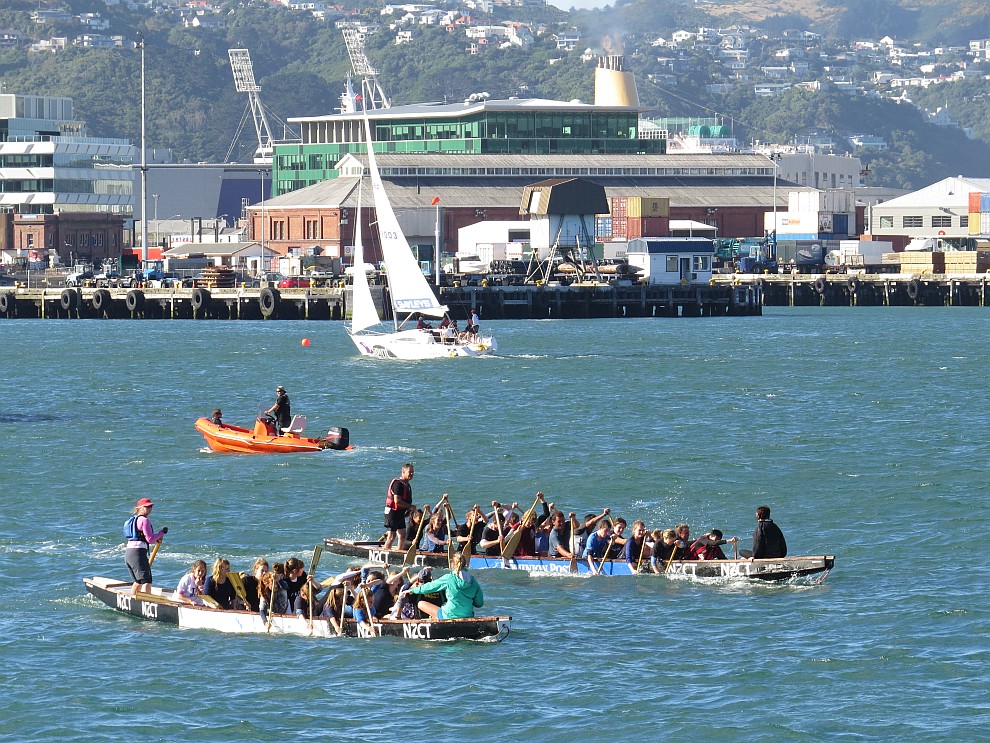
x=217 y=277
x=919 y=261
x=967 y=261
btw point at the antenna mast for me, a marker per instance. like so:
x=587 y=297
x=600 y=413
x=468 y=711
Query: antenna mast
x=240 y=65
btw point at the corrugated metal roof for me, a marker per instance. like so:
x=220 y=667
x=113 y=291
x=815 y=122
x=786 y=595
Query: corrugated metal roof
x=410 y=193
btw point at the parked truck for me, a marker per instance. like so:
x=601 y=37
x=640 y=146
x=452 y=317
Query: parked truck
x=152 y=273
x=858 y=255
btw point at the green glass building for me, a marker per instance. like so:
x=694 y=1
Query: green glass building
x=484 y=127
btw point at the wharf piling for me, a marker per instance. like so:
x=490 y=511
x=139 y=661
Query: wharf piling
x=867 y=290
x=332 y=303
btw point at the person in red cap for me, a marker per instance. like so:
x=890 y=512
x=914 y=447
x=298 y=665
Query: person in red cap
x=140 y=534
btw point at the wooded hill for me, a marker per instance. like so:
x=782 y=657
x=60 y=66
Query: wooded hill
x=301 y=64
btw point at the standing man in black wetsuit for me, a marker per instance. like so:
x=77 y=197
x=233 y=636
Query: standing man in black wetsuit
x=768 y=539
x=281 y=410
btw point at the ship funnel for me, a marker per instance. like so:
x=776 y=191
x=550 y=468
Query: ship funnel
x=613 y=85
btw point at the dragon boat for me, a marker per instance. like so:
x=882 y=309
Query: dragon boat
x=771 y=570
x=158 y=605
x=265 y=438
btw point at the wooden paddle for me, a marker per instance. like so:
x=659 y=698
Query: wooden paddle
x=154 y=551
x=271 y=603
x=605 y=556
x=642 y=551
x=672 y=553
x=451 y=538
x=367 y=606
x=498 y=528
x=410 y=558
x=317 y=554
x=735 y=550
x=513 y=542
x=238 y=584
x=466 y=552
x=211 y=602
x=574 y=543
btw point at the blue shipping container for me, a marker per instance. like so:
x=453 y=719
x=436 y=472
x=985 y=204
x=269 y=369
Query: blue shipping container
x=985 y=202
x=840 y=224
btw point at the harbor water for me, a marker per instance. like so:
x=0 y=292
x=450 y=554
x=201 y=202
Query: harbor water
x=864 y=429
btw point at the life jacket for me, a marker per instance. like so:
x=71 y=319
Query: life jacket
x=390 y=498
x=131 y=531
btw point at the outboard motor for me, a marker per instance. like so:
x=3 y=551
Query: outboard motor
x=338 y=438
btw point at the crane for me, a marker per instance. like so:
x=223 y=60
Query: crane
x=240 y=65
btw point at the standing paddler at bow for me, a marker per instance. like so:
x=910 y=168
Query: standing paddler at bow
x=140 y=534
x=398 y=501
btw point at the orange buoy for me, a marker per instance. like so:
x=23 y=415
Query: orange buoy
x=305 y=341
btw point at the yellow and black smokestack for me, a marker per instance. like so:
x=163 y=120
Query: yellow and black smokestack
x=613 y=85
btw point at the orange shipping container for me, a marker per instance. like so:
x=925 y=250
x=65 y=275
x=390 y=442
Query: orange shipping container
x=974 y=202
x=646 y=227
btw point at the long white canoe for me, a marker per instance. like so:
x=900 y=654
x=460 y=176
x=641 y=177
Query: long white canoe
x=159 y=606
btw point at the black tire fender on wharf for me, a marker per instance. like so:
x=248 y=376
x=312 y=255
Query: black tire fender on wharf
x=135 y=300
x=69 y=299
x=201 y=299
x=101 y=300
x=269 y=301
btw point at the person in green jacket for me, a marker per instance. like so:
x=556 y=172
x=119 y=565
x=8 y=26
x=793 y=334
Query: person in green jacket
x=463 y=593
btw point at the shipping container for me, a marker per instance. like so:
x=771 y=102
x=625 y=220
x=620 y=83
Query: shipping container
x=985 y=202
x=639 y=206
x=974 y=201
x=646 y=227
x=603 y=226
x=974 y=222
x=840 y=224
x=985 y=223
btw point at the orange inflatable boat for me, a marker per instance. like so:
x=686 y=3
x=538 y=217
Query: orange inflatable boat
x=265 y=439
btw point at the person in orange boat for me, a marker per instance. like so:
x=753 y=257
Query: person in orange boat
x=281 y=410
x=217 y=417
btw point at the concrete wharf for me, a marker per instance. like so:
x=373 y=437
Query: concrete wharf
x=852 y=290
x=331 y=303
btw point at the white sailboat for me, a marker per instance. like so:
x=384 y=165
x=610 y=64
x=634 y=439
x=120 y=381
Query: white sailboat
x=409 y=292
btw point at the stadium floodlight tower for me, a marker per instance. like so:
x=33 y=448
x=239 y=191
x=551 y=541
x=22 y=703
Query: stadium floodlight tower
x=240 y=65
x=374 y=96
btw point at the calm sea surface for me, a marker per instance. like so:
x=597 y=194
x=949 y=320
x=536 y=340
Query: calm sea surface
x=865 y=430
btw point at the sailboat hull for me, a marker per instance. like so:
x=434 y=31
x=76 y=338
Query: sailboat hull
x=418 y=345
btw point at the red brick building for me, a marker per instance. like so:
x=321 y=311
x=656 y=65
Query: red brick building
x=74 y=237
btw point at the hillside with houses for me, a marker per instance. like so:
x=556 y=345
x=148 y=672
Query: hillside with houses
x=913 y=110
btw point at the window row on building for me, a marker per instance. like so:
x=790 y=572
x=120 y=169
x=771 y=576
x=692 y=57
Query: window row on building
x=489 y=125
x=917 y=221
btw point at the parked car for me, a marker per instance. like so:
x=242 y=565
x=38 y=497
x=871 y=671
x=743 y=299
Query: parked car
x=78 y=277
x=294 y=282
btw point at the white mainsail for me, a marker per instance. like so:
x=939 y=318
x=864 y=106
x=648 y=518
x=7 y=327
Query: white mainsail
x=407 y=284
x=364 y=314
